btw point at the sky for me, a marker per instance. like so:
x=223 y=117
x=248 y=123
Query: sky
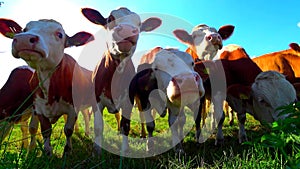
x=261 y=26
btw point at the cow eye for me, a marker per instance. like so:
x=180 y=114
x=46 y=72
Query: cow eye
x=59 y=34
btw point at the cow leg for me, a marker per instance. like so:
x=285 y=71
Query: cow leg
x=242 y=132
x=98 y=128
x=197 y=118
x=68 y=129
x=143 y=121
x=150 y=128
x=174 y=125
x=181 y=122
x=118 y=119
x=33 y=128
x=220 y=137
x=46 y=130
x=86 y=118
x=125 y=126
x=76 y=127
x=5 y=128
x=24 y=130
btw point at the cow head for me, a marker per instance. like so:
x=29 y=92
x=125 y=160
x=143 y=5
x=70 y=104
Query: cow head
x=41 y=43
x=205 y=41
x=270 y=91
x=174 y=72
x=124 y=27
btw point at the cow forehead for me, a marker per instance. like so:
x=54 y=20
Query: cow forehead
x=124 y=15
x=44 y=25
x=202 y=28
x=172 y=62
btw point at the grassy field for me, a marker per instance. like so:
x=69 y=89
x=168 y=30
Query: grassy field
x=205 y=155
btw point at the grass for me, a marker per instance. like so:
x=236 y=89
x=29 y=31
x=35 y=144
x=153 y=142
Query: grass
x=205 y=155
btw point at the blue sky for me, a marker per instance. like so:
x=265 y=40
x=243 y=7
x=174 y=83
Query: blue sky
x=261 y=26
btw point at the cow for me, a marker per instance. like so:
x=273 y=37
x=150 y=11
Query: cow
x=170 y=74
x=41 y=45
x=203 y=44
x=16 y=105
x=285 y=62
x=116 y=67
x=245 y=92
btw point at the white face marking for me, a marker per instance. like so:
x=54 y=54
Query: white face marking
x=270 y=91
x=206 y=47
x=41 y=44
x=123 y=24
x=173 y=65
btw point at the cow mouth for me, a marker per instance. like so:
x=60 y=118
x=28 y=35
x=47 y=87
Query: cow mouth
x=29 y=54
x=126 y=44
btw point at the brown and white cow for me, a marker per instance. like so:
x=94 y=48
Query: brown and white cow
x=251 y=90
x=16 y=104
x=203 y=44
x=41 y=44
x=115 y=70
x=169 y=73
x=286 y=62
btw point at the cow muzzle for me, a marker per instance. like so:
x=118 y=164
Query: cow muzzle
x=185 y=89
x=27 y=47
x=125 y=36
x=215 y=39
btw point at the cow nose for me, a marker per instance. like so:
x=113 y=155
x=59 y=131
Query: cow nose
x=32 y=39
x=214 y=38
x=125 y=31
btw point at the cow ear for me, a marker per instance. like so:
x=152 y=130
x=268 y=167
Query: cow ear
x=94 y=16
x=79 y=39
x=9 y=28
x=295 y=47
x=184 y=37
x=150 y=24
x=226 y=31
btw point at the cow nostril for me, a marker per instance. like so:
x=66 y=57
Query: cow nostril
x=135 y=31
x=209 y=37
x=33 y=40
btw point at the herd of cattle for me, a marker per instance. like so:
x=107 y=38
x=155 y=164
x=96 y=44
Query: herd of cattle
x=54 y=84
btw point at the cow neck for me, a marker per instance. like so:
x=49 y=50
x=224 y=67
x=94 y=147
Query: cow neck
x=56 y=84
x=44 y=79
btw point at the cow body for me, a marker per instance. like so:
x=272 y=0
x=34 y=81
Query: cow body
x=285 y=62
x=16 y=104
x=123 y=27
x=41 y=44
x=166 y=79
